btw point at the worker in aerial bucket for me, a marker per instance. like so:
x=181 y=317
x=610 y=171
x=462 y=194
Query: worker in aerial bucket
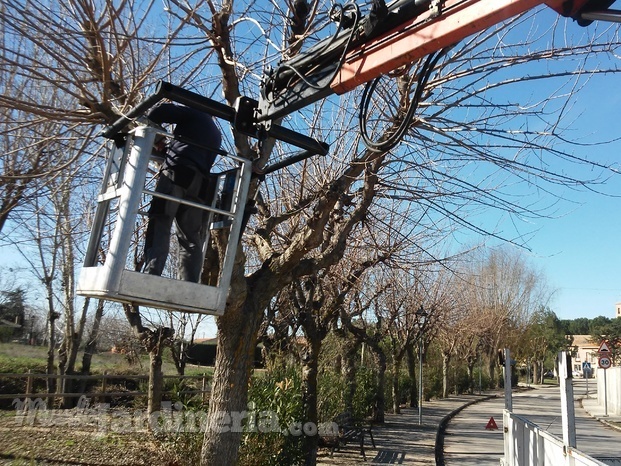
x=185 y=175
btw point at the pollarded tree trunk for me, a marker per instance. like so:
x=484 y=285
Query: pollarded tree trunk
x=349 y=373
x=237 y=334
x=154 y=341
x=91 y=343
x=396 y=391
x=470 y=368
x=156 y=379
x=310 y=364
x=446 y=359
x=491 y=366
x=380 y=403
x=538 y=371
x=411 y=362
x=51 y=322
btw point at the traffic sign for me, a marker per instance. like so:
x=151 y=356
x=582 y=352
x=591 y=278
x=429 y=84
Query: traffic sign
x=603 y=347
x=586 y=369
x=605 y=362
x=491 y=424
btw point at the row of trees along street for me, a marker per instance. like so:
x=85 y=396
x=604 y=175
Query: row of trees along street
x=343 y=251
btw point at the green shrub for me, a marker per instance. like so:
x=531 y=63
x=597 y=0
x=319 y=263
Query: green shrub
x=175 y=388
x=485 y=380
x=366 y=392
x=330 y=400
x=405 y=385
x=14 y=364
x=272 y=435
x=432 y=382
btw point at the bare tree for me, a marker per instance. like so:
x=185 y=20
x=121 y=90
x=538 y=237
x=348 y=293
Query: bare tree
x=91 y=344
x=185 y=325
x=307 y=213
x=503 y=290
x=72 y=336
x=403 y=308
x=367 y=321
x=319 y=301
x=45 y=230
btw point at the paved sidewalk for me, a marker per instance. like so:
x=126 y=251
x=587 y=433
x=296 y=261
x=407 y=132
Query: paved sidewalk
x=598 y=411
x=401 y=440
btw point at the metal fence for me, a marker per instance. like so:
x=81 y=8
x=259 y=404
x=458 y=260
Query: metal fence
x=528 y=445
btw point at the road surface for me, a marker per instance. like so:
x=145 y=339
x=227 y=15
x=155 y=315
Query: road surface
x=468 y=442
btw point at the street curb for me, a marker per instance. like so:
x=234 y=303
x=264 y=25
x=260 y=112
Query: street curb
x=439 y=448
x=603 y=421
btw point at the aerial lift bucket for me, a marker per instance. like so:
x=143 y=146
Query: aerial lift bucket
x=120 y=205
x=110 y=270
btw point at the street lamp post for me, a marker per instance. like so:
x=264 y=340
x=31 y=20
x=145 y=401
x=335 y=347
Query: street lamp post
x=421 y=323
x=480 y=371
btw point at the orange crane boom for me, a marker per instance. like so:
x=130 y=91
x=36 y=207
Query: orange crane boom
x=444 y=24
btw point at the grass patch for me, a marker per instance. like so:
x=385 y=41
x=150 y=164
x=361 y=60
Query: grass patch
x=19 y=359
x=16 y=358
x=21 y=364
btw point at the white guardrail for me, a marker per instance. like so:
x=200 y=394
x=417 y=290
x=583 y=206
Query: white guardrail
x=526 y=444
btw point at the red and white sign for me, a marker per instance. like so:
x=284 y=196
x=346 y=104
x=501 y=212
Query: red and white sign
x=605 y=362
x=603 y=347
x=491 y=424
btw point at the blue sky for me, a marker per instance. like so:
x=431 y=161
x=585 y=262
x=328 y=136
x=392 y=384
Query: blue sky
x=578 y=246
x=580 y=255
x=580 y=250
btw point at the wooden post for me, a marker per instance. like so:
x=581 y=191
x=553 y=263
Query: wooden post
x=103 y=388
x=29 y=384
x=204 y=388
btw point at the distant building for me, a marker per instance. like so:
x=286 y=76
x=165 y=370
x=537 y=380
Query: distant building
x=10 y=330
x=203 y=353
x=584 y=351
x=618 y=306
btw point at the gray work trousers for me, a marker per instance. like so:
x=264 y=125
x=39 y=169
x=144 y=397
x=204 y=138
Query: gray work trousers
x=190 y=221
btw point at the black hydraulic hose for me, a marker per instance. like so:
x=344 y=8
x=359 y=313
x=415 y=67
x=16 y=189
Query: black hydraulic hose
x=286 y=71
x=395 y=138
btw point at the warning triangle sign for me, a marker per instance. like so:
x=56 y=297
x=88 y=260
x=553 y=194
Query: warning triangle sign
x=491 y=424
x=603 y=347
